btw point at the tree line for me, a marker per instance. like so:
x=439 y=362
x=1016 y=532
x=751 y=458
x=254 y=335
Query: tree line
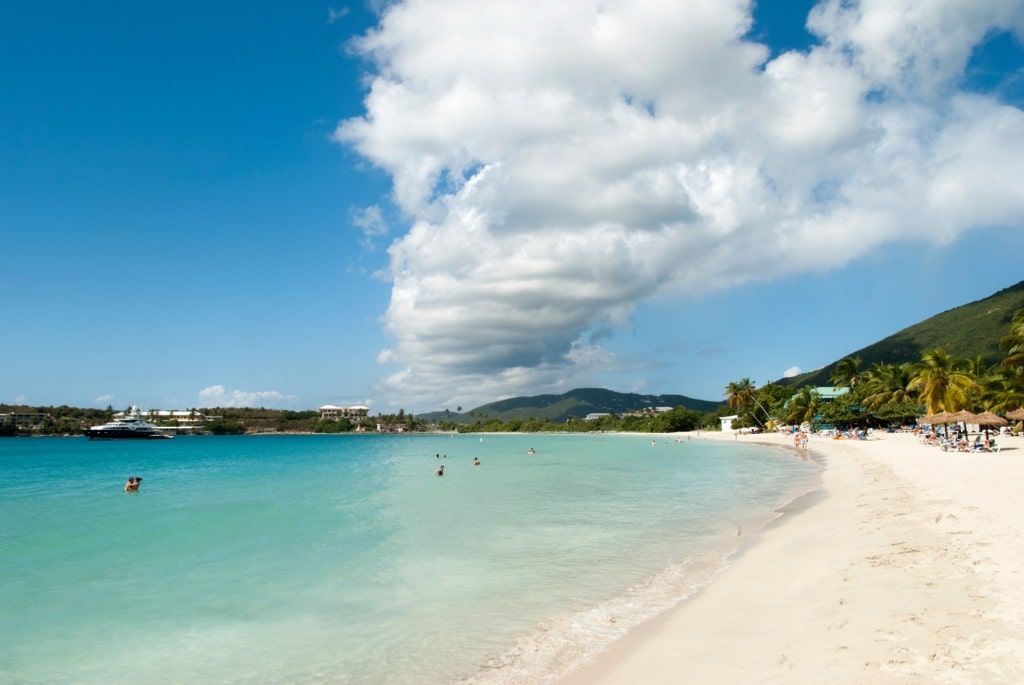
x=889 y=393
x=881 y=395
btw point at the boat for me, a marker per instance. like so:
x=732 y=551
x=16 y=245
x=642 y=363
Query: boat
x=130 y=427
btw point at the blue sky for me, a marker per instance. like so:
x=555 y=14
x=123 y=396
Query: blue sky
x=431 y=204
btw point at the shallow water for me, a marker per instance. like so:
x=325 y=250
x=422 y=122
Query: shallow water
x=342 y=559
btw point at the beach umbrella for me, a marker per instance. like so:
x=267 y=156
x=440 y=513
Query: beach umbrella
x=987 y=418
x=942 y=417
x=965 y=416
x=1016 y=415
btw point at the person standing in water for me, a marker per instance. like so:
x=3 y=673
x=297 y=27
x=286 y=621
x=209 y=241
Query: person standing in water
x=133 y=484
x=439 y=471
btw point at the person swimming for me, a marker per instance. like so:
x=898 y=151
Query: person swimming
x=439 y=471
x=133 y=484
x=476 y=461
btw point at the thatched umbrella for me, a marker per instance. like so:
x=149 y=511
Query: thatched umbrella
x=987 y=419
x=939 y=418
x=965 y=416
x=1017 y=415
x=942 y=417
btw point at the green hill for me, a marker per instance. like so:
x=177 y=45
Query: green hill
x=971 y=330
x=575 y=403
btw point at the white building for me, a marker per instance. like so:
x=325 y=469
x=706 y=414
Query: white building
x=727 y=423
x=333 y=413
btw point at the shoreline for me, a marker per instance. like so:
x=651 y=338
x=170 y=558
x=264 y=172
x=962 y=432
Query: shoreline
x=905 y=566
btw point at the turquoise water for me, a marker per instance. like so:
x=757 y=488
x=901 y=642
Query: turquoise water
x=342 y=559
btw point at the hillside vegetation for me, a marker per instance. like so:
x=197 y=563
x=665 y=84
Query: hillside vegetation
x=970 y=331
x=580 y=402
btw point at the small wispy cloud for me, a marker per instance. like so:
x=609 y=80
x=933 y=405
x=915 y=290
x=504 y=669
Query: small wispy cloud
x=370 y=221
x=219 y=396
x=792 y=371
x=334 y=15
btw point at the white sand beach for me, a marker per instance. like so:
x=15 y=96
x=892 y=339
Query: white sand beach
x=906 y=569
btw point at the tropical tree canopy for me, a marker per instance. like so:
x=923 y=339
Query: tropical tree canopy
x=847 y=372
x=803 y=407
x=740 y=394
x=1013 y=343
x=942 y=382
x=886 y=384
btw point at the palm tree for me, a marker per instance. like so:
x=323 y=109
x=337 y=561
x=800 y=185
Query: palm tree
x=803 y=407
x=740 y=395
x=1001 y=390
x=942 y=382
x=887 y=384
x=976 y=366
x=847 y=372
x=1013 y=343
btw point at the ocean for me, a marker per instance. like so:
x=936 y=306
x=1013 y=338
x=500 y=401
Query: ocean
x=342 y=559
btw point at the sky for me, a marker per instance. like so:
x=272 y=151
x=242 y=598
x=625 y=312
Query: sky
x=433 y=204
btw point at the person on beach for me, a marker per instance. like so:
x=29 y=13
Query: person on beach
x=439 y=471
x=133 y=484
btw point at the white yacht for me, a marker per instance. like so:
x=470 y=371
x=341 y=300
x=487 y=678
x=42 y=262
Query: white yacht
x=130 y=427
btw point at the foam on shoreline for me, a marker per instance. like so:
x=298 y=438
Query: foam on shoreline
x=568 y=643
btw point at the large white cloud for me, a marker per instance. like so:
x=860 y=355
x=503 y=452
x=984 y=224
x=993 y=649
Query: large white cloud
x=562 y=162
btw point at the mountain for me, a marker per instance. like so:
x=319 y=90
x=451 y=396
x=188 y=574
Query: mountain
x=575 y=403
x=971 y=330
